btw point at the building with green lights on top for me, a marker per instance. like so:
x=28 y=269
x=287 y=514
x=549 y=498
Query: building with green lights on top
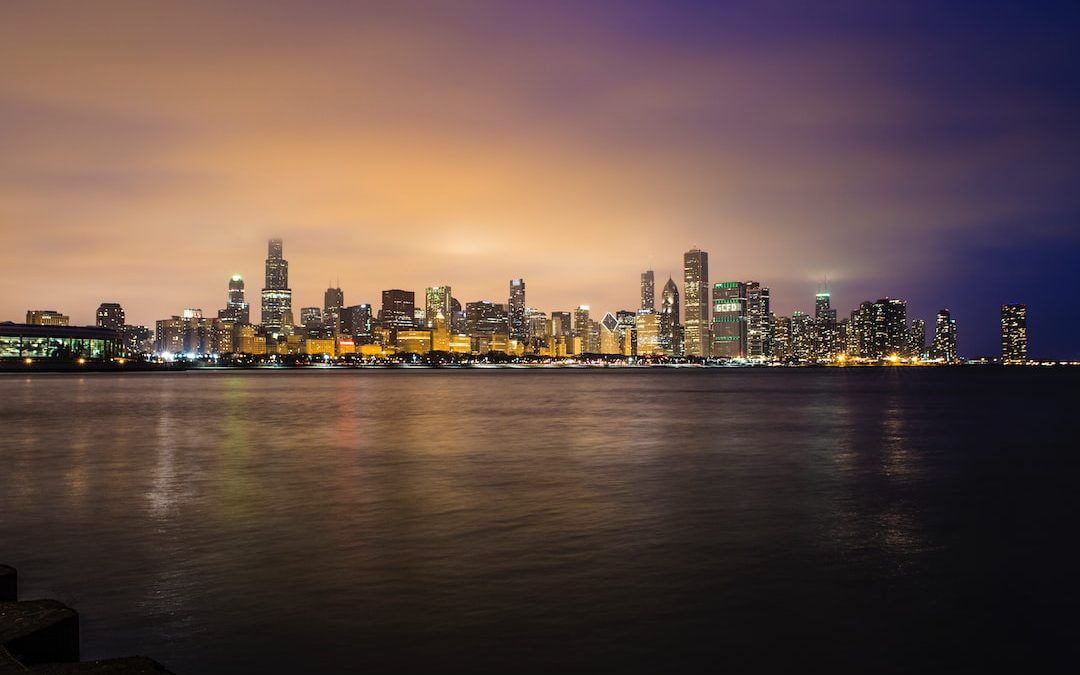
x=729 y=320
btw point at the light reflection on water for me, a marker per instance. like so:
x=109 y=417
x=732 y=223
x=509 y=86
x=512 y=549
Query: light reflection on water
x=508 y=520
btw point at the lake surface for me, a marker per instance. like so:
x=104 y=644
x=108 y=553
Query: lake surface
x=861 y=520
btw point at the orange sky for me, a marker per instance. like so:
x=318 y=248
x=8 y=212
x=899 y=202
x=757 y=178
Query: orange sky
x=150 y=149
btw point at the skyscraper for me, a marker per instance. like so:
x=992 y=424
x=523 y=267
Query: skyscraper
x=917 y=345
x=436 y=299
x=648 y=290
x=671 y=334
x=236 y=308
x=516 y=310
x=610 y=335
x=1014 y=333
x=780 y=338
x=647 y=327
x=758 y=322
x=824 y=343
x=861 y=334
x=110 y=315
x=696 y=298
x=561 y=325
x=822 y=306
x=801 y=328
x=333 y=302
x=890 y=328
x=583 y=328
x=276 y=294
x=944 y=345
x=729 y=320
x=356 y=321
x=398 y=309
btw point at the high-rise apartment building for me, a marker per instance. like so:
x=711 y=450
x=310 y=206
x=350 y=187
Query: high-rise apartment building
x=780 y=338
x=1014 y=348
x=648 y=290
x=801 y=336
x=729 y=320
x=516 y=310
x=944 y=345
x=110 y=315
x=860 y=342
x=671 y=334
x=758 y=322
x=696 y=302
x=276 y=294
x=917 y=344
x=890 y=328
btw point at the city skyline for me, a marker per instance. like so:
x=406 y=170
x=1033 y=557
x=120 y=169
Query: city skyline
x=732 y=320
x=896 y=151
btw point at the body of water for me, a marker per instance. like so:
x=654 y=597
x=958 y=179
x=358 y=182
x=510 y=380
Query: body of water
x=858 y=520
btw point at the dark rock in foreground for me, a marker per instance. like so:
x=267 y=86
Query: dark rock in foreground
x=42 y=636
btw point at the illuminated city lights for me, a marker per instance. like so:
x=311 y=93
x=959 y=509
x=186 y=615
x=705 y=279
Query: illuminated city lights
x=726 y=323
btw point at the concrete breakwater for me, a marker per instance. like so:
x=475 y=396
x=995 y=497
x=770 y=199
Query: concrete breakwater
x=42 y=637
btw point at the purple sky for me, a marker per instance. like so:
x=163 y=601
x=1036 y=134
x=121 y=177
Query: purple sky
x=148 y=150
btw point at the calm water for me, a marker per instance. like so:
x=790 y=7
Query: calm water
x=877 y=520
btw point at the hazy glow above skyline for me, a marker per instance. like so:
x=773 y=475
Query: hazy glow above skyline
x=149 y=151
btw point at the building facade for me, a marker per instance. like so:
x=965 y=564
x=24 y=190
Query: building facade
x=46 y=317
x=516 y=310
x=696 y=303
x=110 y=315
x=276 y=294
x=648 y=291
x=729 y=320
x=671 y=334
x=1014 y=345
x=943 y=348
x=333 y=303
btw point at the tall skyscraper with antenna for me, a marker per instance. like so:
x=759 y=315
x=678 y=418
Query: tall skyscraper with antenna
x=333 y=303
x=276 y=294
